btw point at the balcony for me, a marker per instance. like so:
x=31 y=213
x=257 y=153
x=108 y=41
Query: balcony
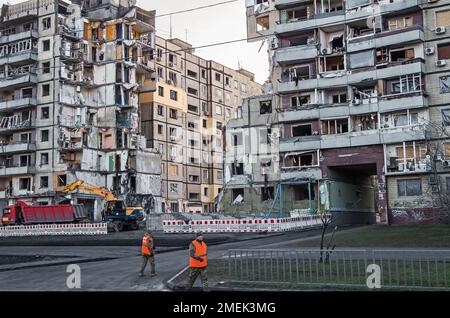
x=17 y=170
x=17 y=147
x=22 y=58
x=300 y=143
x=311 y=172
x=9 y=126
x=284 y=4
x=19 y=36
x=397 y=5
x=343 y=77
x=295 y=54
x=23 y=10
x=18 y=81
x=400 y=134
x=402 y=101
x=386 y=39
x=318 y=21
x=17 y=104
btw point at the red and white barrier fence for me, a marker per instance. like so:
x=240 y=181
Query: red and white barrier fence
x=243 y=225
x=54 y=229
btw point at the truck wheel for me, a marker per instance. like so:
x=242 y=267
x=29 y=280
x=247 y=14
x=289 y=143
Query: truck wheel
x=119 y=226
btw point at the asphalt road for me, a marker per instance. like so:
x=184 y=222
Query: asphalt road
x=118 y=268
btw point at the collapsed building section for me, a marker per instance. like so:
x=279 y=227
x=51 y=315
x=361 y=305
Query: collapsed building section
x=70 y=101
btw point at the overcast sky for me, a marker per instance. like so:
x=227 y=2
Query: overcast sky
x=206 y=26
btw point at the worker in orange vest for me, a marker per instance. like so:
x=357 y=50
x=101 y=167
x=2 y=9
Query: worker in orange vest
x=148 y=253
x=198 y=261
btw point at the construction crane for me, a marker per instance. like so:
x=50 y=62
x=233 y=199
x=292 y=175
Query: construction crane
x=115 y=210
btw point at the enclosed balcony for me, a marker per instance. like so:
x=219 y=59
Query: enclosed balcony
x=16 y=81
x=17 y=147
x=11 y=105
x=16 y=170
x=19 y=36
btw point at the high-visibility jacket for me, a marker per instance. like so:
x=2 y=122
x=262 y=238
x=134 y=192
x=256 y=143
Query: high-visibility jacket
x=145 y=242
x=200 y=250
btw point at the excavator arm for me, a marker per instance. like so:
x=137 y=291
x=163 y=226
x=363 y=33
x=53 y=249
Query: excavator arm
x=90 y=188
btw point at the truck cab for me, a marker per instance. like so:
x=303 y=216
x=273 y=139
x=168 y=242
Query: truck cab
x=9 y=214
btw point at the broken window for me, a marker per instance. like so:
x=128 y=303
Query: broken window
x=173 y=59
x=339 y=98
x=27 y=92
x=267 y=193
x=365 y=122
x=46 y=67
x=46 y=90
x=262 y=23
x=237 y=168
x=173 y=95
x=62 y=180
x=46 y=23
x=335 y=126
x=25 y=184
x=298 y=101
x=46 y=45
x=192 y=74
x=406 y=84
x=173 y=133
x=43 y=182
x=237 y=196
x=192 y=91
x=44 y=135
x=444 y=84
x=399 y=23
x=402 y=55
x=445 y=117
x=265 y=107
x=44 y=158
x=194 y=178
x=173 y=113
x=302 y=130
x=45 y=112
x=409 y=187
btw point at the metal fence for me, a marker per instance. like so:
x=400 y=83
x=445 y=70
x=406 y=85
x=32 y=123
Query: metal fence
x=349 y=269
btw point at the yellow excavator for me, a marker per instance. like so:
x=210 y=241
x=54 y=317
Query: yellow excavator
x=115 y=210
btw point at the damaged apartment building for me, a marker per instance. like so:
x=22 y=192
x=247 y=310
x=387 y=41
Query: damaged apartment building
x=360 y=95
x=185 y=119
x=70 y=79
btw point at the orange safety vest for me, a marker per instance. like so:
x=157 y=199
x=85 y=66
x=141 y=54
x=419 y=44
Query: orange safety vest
x=200 y=250
x=145 y=250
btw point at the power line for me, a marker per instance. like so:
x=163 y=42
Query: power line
x=195 y=9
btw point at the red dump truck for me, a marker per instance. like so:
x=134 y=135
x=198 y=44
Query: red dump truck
x=28 y=212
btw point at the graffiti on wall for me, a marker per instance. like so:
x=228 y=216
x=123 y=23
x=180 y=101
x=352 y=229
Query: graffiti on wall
x=409 y=215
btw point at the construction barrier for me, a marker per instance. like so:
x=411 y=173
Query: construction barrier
x=243 y=225
x=54 y=229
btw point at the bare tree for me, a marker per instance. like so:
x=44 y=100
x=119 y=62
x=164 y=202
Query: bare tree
x=326 y=220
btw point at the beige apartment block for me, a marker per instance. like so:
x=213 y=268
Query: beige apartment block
x=185 y=118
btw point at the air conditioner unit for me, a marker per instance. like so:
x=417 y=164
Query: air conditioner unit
x=440 y=30
x=311 y=41
x=446 y=163
x=170 y=64
x=440 y=63
x=356 y=101
x=275 y=158
x=275 y=134
x=158 y=58
x=429 y=50
x=170 y=82
x=326 y=51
